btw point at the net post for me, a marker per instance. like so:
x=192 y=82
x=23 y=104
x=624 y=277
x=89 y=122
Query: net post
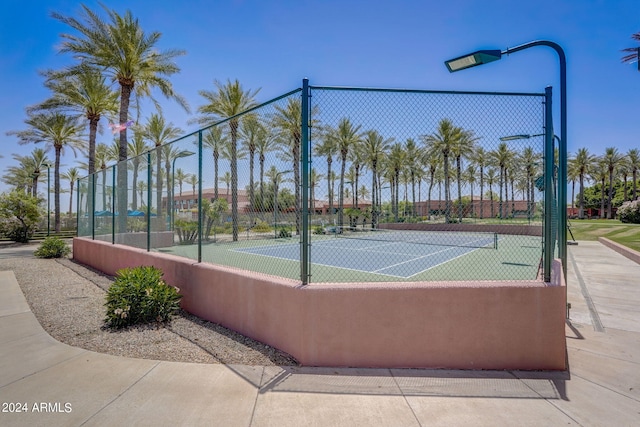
x=304 y=196
x=548 y=186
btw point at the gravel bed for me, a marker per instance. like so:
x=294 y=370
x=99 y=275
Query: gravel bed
x=68 y=300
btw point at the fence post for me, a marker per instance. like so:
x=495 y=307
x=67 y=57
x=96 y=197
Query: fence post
x=200 y=196
x=548 y=185
x=113 y=203
x=92 y=203
x=304 y=197
x=149 y=198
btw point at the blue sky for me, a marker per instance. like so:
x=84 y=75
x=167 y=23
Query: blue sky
x=396 y=44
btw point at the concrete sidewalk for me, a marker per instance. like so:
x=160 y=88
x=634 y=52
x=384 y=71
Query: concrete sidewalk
x=58 y=385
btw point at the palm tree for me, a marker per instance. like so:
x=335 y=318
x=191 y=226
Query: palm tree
x=599 y=172
x=573 y=174
x=633 y=156
x=432 y=161
x=413 y=164
x=632 y=53
x=442 y=143
x=122 y=50
x=33 y=165
x=288 y=124
x=159 y=132
x=584 y=163
x=346 y=135
x=502 y=158
x=137 y=148
x=72 y=176
x=327 y=148
x=470 y=176
x=193 y=181
x=181 y=177
x=480 y=158
x=462 y=149
x=314 y=180
x=490 y=177
x=612 y=158
x=59 y=130
x=265 y=143
x=250 y=130
x=141 y=187
x=396 y=163
x=215 y=139
x=84 y=93
x=226 y=102
x=374 y=147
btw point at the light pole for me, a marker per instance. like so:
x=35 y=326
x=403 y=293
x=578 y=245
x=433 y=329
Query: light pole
x=276 y=179
x=185 y=153
x=486 y=56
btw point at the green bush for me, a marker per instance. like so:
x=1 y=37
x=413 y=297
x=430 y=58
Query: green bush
x=52 y=247
x=261 y=227
x=19 y=215
x=284 y=233
x=318 y=229
x=187 y=231
x=139 y=295
x=629 y=212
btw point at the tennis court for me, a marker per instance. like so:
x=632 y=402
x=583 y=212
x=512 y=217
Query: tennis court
x=389 y=253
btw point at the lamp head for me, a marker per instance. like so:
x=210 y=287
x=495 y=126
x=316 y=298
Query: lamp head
x=472 y=60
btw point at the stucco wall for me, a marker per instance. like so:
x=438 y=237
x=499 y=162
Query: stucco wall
x=467 y=325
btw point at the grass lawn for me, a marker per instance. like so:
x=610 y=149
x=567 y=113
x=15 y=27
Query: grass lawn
x=591 y=229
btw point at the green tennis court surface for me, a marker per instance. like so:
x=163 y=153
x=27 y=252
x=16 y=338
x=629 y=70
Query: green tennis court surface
x=373 y=260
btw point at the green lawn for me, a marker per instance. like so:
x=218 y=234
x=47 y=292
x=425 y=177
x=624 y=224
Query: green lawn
x=591 y=229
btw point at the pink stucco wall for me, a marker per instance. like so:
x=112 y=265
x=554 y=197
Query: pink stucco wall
x=461 y=325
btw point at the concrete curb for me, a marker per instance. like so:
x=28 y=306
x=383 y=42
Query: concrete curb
x=621 y=249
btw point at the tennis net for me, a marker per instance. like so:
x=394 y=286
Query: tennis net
x=487 y=240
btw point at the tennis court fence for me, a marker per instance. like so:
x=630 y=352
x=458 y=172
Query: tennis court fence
x=331 y=184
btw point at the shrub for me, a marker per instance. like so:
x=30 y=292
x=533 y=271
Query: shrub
x=19 y=215
x=187 y=231
x=284 y=233
x=139 y=295
x=52 y=247
x=318 y=229
x=261 y=227
x=629 y=212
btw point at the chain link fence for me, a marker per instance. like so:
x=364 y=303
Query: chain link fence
x=355 y=185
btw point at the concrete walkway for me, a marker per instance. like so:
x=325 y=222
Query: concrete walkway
x=54 y=384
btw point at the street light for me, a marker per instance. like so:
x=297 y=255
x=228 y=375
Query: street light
x=181 y=154
x=276 y=177
x=486 y=56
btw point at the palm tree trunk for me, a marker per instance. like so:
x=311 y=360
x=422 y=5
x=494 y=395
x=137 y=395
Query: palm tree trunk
x=581 y=202
x=56 y=186
x=329 y=192
x=215 y=175
x=70 y=198
x=262 y=182
x=341 y=190
x=125 y=96
x=610 y=195
x=459 y=177
x=602 y=213
x=251 y=195
x=447 y=207
x=481 y=192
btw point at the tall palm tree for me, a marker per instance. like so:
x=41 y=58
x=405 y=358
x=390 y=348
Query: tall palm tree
x=58 y=130
x=327 y=149
x=226 y=178
x=573 y=175
x=250 y=130
x=395 y=165
x=502 y=158
x=633 y=157
x=413 y=156
x=159 y=132
x=33 y=165
x=265 y=143
x=72 y=176
x=215 y=139
x=137 y=148
x=463 y=148
x=584 y=163
x=374 y=147
x=531 y=161
x=226 y=102
x=314 y=181
x=346 y=135
x=442 y=143
x=599 y=172
x=470 y=175
x=287 y=122
x=480 y=158
x=490 y=177
x=432 y=161
x=181 y=177
x=193 y=181
x=124 y=52
x=83 y=93
x=612 y=158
